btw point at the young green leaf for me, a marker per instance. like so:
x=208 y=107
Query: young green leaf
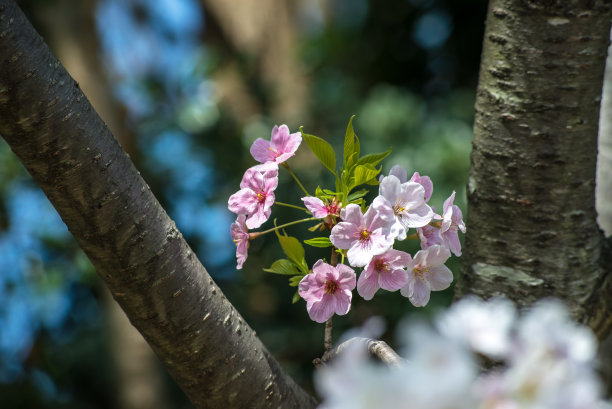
x=373 y=158
x=358 y=194
x=349 y=144
x=363 y=174
x=296 y=297
x=322 y=150
x=294 y=251
x=295 y=281
x=319 y=242
x=282 y=266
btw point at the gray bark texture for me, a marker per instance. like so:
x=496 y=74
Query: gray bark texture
x=532 y=229
x=212 y=353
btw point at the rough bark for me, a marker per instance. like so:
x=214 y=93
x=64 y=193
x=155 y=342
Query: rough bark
x=149 y=268
x=604 y=159
x=532 y=229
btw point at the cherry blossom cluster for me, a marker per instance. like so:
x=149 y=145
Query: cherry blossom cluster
x=541 y=360
x=363 y=234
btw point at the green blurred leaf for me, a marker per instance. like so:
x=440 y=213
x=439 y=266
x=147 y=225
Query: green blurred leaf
x=322 y=150
x=319 y=242
x=295 y=280
x=349 y=144
x=283 y=266
x=296 y=297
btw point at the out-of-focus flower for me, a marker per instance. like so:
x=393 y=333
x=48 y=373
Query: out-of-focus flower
x=407 y=201
x=365 y=236
x=386 y=271
x=427 y=273
x=240 y=235
x=327 y=290
x=281 y=146
x=544 y=361
x=256 y=196
x=451 y=222
x=484 y=327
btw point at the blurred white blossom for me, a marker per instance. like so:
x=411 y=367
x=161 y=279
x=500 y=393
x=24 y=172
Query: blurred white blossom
x=543 y=361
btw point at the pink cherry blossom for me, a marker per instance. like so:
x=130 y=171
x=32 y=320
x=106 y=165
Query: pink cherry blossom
x=256 y=195
x=428 y=236
x=424 y=181
x=327 y=290
x=240 y=235
x=365 y=236
x=386 y=271
x=451 y=222
x=320 y=209
x=427 y=273
x=281 y=146
x=399 y=172
x=407 y=201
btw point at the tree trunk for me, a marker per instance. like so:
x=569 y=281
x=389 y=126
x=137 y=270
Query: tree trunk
x=135 y=247
x=532 y=229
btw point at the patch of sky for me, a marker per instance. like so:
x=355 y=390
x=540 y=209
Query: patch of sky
x=142 y=39
x=33 y=296
x=432 y=29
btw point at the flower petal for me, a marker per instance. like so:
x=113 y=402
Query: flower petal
x=343 y=235
x=321 y=311
x=393 y=280
x=399 y=172
x=419 y=292
x=315 y=206
x=343 y=302
x=367 y=285
x=261 y=152
x=439 y=278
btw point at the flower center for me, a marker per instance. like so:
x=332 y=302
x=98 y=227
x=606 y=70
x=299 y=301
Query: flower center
x=419 y=271
x=380 y=266
x=400 y=207
x=275 y=153
x=331 y=287
x=261 y=197
x=364 y=235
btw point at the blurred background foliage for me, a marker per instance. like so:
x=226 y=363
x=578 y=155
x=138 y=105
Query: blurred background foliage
x=186 y=86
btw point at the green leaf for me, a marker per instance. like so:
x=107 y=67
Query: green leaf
x=282 y=266
x=358 y=194
x=296 y=297
x=295 y=281
x=319 y=242
x=349 y=144
x=322 y=150
x=373 y=158
x=294 y=251
x=363 y=174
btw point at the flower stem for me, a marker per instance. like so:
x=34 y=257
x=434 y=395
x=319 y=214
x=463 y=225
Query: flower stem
x=290 y=205
x=286 y=166
x=327 y=341
x=261 y=233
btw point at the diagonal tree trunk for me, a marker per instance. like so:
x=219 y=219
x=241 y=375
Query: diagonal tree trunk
x=137 y=250
x=531 y=194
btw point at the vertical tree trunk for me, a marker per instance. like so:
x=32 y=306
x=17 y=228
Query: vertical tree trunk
x=150 y=270
x=532 y=229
